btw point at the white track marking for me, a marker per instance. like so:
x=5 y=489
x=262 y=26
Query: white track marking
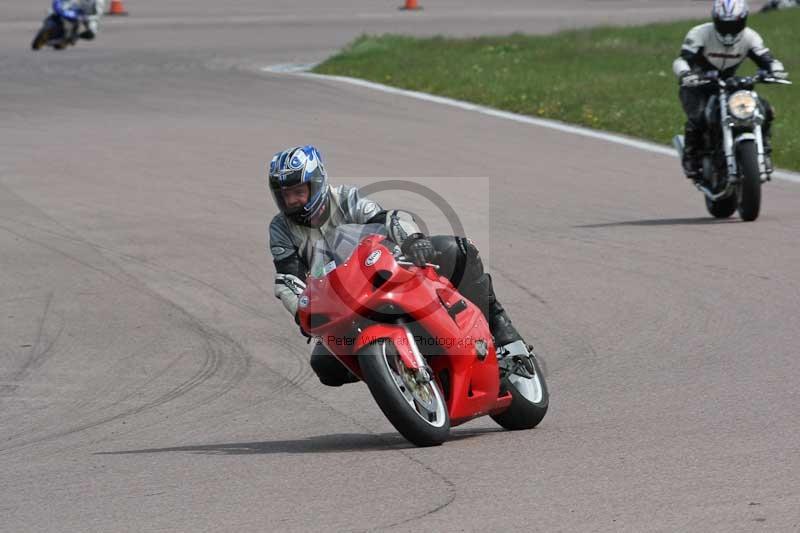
x=302 y=70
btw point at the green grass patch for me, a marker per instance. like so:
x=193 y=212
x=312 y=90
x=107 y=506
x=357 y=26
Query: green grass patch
x=609 y=78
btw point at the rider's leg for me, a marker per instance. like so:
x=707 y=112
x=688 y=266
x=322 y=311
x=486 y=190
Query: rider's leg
x=92 y=22
x=328 y=369
x=694 y=102
x=461 y=263
x=71 y=28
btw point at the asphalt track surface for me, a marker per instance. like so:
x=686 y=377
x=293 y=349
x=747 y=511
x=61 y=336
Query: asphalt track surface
x=149 y=381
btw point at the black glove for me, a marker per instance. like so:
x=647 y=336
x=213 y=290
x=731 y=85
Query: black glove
x=419 y=249
x=303 y=332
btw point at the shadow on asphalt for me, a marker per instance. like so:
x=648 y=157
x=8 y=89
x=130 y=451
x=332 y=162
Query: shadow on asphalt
x=704 y=221
x=339 y=442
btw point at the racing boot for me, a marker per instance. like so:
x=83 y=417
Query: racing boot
x=513 y=353
x=500 y=324
x=692 y=140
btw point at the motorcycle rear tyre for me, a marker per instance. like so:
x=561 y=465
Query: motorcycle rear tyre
x=523 y=413
x=722 y=208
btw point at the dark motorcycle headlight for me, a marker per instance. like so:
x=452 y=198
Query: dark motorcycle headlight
x=742 y=104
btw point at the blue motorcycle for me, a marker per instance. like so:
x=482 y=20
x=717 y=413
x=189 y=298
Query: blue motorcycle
x=61 y=28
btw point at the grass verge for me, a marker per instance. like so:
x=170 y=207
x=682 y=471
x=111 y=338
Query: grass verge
x=611 y=78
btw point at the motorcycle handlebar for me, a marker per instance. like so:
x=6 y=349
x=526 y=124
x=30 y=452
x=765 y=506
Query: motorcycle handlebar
x=402 y=261
x=733 y=82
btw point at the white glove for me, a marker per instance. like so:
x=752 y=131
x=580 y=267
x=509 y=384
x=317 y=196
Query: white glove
x=295 y=284
x=690 y=79
x=778 y=71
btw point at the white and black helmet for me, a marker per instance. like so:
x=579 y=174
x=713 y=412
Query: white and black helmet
x=730 y=20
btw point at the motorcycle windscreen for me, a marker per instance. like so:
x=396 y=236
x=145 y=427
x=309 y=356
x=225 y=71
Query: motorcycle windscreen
x=338 y=244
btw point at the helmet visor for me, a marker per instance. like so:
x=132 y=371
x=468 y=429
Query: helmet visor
x=291 y=200
x=312 y=190
x=730 y=27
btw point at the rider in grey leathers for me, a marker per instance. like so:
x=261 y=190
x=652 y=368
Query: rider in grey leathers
x=310 y=209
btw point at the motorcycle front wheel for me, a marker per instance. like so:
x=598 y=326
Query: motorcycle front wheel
x=51 y=29
x=41 y=38
x=415 y=408
x=531 y=400
x=750 y=189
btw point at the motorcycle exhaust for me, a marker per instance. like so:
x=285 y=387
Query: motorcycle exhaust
x=710 y=195
x=677 y=142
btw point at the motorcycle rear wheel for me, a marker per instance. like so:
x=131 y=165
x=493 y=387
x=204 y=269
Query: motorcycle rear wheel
x=722 y=208
x=531 y=400
x=417 y=410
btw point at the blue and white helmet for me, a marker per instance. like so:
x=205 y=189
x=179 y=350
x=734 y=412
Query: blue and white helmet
x=730 y=20
x=295 y=166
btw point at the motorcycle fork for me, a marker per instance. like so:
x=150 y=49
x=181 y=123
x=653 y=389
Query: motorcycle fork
x=762 y=156
x=727 y=138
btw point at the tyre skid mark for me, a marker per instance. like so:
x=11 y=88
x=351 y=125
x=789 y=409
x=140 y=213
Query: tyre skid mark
x=39 y=351
x=213 y=338
x=210 y=365
x=212 y=361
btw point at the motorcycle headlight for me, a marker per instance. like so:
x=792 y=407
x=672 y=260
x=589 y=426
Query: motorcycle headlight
x=742 y=104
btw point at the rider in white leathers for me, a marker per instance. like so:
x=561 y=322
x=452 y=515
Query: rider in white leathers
x=721 y=45
x=75 y=13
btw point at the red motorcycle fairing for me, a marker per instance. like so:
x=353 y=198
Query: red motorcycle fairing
x=371 y=297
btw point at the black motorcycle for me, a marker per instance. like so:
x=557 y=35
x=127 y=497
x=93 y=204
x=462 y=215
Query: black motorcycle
x=733 y=157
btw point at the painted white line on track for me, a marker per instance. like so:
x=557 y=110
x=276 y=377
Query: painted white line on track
x=302 y=70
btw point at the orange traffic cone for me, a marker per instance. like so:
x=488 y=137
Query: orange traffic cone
x=411 y=5
x=117 y=8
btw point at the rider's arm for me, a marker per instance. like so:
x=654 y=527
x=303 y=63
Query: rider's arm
x=691 y=55
x=362 y=210
x=67 y=9
x=682 y=64
x=290 y=269
x=399 y=225
x=93 y=10
x=760 y=54
x=358 y=209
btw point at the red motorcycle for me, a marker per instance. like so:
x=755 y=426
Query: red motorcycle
x=425 y=352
